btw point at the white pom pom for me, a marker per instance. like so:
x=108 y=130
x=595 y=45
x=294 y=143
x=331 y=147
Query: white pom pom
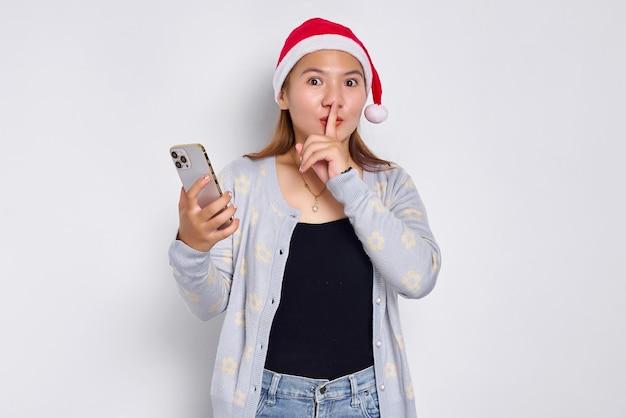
x=376 y=113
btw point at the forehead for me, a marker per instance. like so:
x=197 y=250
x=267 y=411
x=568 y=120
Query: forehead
x=328 y=59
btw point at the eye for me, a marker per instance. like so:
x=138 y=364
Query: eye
x=315 y=81
x=351 y=82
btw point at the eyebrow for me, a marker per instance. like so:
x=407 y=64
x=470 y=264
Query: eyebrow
x=320 y=71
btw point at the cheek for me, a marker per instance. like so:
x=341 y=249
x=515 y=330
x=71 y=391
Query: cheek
x=358 y=100
x=356 y=108
x=306 y=102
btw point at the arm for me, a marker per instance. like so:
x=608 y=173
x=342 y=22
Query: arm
x=201 y=256
x=203 y=284
x=392 y=225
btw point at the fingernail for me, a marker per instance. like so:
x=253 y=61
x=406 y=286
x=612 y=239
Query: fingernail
x=207 y=177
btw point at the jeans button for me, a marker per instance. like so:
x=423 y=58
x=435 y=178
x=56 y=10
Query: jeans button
x=323 y=390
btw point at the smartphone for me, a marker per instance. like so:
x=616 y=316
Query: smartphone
x=192 y=162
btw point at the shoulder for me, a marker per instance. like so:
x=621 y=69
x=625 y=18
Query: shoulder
x=245 y=165
x=243 y=174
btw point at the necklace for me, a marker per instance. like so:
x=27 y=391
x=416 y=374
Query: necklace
x=315 y=206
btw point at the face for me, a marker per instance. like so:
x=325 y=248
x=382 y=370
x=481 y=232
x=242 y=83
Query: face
x=315 y=82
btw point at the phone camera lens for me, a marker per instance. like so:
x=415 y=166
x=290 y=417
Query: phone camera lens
x=178 y=164
x=183 y=158
x=174 y=154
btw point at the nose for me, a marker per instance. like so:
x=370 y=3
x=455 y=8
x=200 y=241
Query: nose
x=332 y=93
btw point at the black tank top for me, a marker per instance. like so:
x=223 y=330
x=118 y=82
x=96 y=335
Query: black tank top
x=323 y=326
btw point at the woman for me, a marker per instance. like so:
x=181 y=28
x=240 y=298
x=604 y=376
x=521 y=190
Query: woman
x=327 y=236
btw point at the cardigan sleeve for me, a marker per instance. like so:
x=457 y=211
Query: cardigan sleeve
x=390 y=220
x=204 y=278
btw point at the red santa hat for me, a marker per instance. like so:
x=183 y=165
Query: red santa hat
x=317 y=34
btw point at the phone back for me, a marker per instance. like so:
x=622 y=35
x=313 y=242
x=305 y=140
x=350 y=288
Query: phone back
x=191 y=162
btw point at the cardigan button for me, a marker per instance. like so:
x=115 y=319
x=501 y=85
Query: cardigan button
x=378 y=343
x=382 y=387
x=378 y=300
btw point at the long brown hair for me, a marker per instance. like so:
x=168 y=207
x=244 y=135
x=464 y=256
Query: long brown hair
x=284 y=139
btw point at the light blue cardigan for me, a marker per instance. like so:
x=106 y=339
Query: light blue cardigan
x=243 y=274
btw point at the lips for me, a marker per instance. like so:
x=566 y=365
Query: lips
x=325 y=120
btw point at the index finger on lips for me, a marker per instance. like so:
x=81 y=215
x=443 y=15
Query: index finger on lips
x=331 y=122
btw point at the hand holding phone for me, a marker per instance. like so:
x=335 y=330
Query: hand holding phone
x=197 y=227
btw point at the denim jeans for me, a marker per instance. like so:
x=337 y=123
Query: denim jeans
x=288 y=396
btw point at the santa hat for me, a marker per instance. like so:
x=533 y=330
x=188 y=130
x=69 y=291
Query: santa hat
x=317 y=34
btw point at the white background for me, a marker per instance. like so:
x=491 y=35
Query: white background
x=510 y=115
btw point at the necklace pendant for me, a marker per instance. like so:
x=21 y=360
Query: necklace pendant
x=315 y=208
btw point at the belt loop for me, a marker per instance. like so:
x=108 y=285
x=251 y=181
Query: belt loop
x=354 y=386
x=271 y=393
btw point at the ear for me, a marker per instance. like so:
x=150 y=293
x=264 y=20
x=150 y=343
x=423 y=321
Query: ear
x=283 y=103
